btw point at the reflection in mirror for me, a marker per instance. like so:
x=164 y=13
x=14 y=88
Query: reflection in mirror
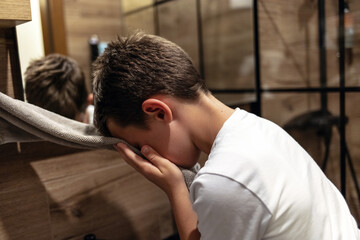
x=228 y=44
x=83 y=19
x=134 y=5
x=174 y=26
x=56 y=83
x=142 y=20
x=218 y=35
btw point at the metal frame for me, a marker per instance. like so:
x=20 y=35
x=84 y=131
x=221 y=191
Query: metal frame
x=342 y=89
x=323 y=90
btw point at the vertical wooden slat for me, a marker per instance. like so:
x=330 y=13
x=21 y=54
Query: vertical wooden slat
x=54 y=32
x=10 y=75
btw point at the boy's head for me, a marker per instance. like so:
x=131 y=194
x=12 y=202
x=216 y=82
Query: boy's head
x=57 y=84
x=133 y=69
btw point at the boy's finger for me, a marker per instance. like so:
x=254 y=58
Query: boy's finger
x=128 y=152
x=125 y=156
x=152 y=156
x=133 y=159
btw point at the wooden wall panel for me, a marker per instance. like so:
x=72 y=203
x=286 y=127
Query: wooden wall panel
x=66 y=193
x=10 y=75
x=13 y=13
x=228 y=45
x=24 y=211
x=179 y=29
x=24 y=214
x=353 y=67
x=288 y=42
x=101 y=194
x=143 y=21
x=53 y=26
x=83 y=18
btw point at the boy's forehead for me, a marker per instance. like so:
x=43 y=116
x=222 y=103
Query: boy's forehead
x=116 y=130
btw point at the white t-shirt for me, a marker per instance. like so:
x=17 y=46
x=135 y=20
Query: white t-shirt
x=258 y=183
x=90 y=113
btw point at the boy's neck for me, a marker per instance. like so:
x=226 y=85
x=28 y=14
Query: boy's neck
x=204 y=120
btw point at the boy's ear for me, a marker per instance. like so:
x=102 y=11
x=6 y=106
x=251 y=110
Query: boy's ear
x=157 y=109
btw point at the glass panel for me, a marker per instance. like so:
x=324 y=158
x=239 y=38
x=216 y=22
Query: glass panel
x=299 y=115
x=178 y=23
x=132 y=5
x=294 y=113
x=281 y=108
x=331 y=42
x=235 y=100
x=289 y=44
x=353 y=144
x=228 y=44
x=352 y=43
x=143 y=20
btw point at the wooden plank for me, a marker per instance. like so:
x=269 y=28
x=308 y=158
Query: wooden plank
x=24 y=214
x=77 y=163
x=24 y=211
x=179 y=29
x=228 y=45
x=132 y=5
x=97 y=192
x=91 y=202
x=58 y=26
x=53 y=26
x=13 y=13
x=87 y=191
x=83 y=18
x=10 y=75
x=289 y=44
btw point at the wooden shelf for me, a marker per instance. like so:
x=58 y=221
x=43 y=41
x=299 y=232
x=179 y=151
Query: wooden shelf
x=13 y=13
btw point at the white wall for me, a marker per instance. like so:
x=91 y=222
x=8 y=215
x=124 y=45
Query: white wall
x=30 y=38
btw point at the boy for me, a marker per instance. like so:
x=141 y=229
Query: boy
x=257 y=183
x=57 y=83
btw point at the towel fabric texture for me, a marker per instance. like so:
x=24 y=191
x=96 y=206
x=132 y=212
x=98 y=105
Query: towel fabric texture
x=25 y=122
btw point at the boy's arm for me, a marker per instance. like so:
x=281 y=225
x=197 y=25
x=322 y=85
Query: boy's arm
x=169 y=178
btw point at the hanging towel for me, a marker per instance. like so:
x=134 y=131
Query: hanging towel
x=25 y=122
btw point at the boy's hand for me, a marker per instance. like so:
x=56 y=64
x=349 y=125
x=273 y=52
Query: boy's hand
x=157 y=169
x=169 y=178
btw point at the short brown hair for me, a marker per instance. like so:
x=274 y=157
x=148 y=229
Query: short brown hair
x=135 y=68
x=56 y=83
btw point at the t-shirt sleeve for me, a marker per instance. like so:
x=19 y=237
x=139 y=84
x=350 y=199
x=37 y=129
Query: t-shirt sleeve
x=227 y=210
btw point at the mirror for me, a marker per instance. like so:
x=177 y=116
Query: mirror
x=218 y=35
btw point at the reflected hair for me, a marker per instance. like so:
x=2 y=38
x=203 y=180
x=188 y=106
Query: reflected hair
x=133 y=69
x=56 y=83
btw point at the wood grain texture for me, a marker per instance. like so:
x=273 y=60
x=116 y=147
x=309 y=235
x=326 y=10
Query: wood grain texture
x=24 y=211
x=72 y=193
x=228 y=45
x=179 y=29
x=10 y=75
x=13 y=13
x=97 y=192
x=83 y=18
